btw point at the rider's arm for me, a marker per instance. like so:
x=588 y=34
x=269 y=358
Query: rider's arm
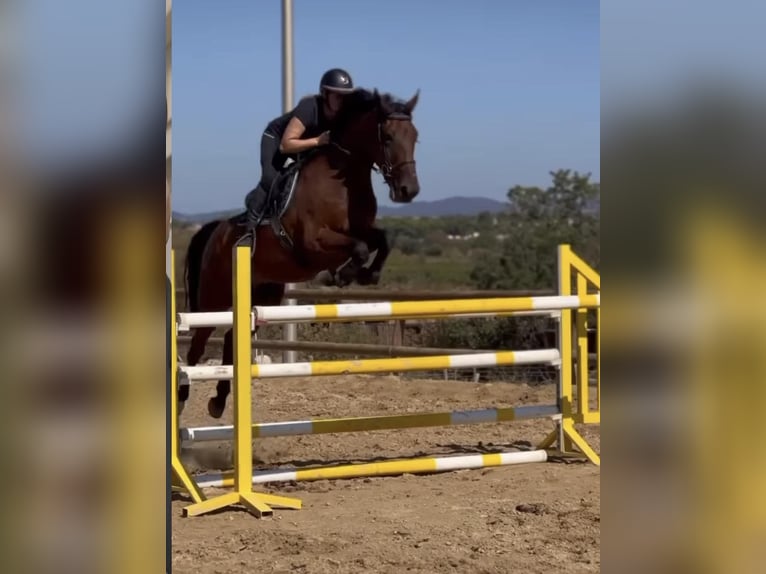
x=291 y=142
x=305 y=116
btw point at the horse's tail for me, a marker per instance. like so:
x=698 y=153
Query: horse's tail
x=193 y=264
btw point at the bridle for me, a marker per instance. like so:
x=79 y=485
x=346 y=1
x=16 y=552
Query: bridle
x=387 y=169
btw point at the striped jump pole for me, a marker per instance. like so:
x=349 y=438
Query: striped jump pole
x=571 y=330
x=188 y=374
x=374 y=423
x=571 y=310
x=187 y=321
x=428 y=465
x=353 y=312
x=258 y=504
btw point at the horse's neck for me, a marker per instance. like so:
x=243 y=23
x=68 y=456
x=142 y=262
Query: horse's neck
x=355 y=163
x=361 y=194
x=349 y=141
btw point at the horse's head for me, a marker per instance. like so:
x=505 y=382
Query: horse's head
x=381 y=128
x=397 y=136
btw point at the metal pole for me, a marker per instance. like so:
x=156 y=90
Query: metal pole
x=288 y=75
x=287 y=56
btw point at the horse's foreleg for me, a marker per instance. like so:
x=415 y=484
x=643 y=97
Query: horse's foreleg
x=193 y=356
x=376 y=240
x=344 y=245
x=217 y=404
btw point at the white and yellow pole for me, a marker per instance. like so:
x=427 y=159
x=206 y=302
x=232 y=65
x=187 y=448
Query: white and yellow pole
x=257 y=503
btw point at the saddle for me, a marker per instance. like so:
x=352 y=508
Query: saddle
x=278 y=200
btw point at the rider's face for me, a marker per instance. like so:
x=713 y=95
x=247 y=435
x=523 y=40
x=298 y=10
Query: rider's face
x=333 y=102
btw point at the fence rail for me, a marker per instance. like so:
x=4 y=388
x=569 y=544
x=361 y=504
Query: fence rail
x=319 y=294
x=393 y=343
x=353 y=348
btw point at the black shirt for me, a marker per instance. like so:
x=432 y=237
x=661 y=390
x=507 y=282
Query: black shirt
x=309 y=111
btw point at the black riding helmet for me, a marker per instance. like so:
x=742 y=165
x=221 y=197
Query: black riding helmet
x=336 y=80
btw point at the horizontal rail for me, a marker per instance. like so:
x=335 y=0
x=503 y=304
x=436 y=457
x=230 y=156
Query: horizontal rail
x=373 y=423
x=351 y=348
x=388 y=468
x=394 y=310
x=320 y=294
x=410 y=295
x=371 y=349
x=189 y=374
x=188 y=321
x=447 y=308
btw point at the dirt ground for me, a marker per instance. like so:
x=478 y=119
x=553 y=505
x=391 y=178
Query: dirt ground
x=532 y=518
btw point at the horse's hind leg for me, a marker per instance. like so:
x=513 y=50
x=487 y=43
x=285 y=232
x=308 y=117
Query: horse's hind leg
x=262 y=294
x=217 y=404
x=197 y=345
x=196 y=350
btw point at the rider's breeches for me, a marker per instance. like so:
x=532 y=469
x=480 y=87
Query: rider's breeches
x=272 y=159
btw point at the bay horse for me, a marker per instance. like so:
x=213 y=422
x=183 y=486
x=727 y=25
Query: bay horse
x=322 y=219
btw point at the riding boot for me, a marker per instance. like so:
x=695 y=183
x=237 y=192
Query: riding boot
x=255 y=202
x=256 y=206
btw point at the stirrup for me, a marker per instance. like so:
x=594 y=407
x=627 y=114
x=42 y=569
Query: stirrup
x=249 y=239
x=245 y=240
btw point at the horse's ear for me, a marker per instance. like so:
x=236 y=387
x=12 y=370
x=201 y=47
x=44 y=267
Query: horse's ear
x=410 y=105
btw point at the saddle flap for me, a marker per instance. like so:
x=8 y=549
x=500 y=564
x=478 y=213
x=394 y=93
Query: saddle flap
x=281 y=195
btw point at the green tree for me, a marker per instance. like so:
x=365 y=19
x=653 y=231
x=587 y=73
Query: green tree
x=540 y=220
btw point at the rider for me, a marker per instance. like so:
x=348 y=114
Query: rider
x=304 y=128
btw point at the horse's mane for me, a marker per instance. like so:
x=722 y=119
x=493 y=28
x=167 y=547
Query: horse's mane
x=362 y=101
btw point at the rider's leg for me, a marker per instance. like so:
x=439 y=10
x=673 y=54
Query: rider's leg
x=256 y=199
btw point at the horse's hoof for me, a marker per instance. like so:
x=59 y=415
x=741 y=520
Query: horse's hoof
x=341 y=283
x=215 y=409
x=341 y=280
x=346 y=275
x=325 y=278
x=367 y=277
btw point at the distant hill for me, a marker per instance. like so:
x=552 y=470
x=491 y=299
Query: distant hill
x=450 y=206
x=203 y=217
x=438 y=208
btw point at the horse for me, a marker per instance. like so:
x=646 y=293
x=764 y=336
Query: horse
x=322 y=218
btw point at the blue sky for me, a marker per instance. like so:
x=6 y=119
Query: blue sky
x=86 y=71
x=509 y=89
x=654 y=51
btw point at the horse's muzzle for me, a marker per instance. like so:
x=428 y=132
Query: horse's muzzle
x=405 y=189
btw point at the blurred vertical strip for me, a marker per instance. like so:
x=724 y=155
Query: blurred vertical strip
x=11 y=286
x=725 y=258
x=169 y=319
x=683 y=140
x=168 y=127
x=85 y=324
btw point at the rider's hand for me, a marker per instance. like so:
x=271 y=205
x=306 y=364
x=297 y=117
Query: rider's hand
x=323 y=139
